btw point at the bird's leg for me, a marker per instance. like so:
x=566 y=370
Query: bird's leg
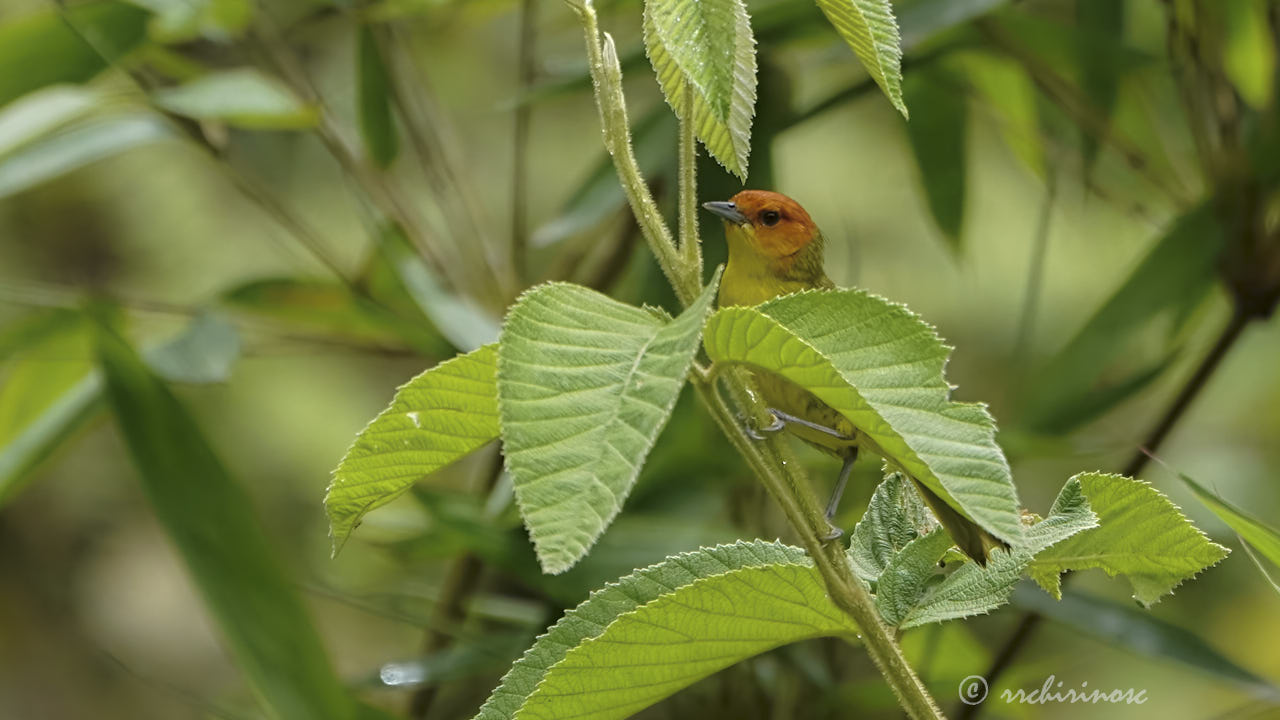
x=785 y=418
x=834 y=503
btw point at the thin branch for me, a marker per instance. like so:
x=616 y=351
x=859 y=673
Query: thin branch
x=690 y=243
x=602 y=58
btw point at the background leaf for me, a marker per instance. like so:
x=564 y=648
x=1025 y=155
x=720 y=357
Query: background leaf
x=179 y=21
x=52 y=389
x=938 y=136
x=458 y=318
x=1257 y=533
x=881 y=367
x=1177 y=270
x=585 y=384
x=668 y=625
x=43 y=49
x=373 y=100
x=869 y=28
x=706 y=46
x=1101 y=23
x=63 y=152
x=210 y=520
x=1141 y=633
x=1141 y=534
x=243 y=98
x=35 y=115
x=440 y=416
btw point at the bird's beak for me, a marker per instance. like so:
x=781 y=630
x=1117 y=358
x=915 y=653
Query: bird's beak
x=728 y=211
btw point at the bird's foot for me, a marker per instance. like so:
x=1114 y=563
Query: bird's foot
x=833 y=533
x=760 y=434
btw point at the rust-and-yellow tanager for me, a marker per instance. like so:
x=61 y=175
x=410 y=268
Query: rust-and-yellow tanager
x=775 y=249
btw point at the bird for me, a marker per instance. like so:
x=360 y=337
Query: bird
x=775 y=248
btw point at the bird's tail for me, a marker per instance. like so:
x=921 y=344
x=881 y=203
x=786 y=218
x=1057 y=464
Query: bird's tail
x=968 y=535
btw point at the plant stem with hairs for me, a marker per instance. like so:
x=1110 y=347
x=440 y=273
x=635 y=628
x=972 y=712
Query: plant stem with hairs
x=770 y=459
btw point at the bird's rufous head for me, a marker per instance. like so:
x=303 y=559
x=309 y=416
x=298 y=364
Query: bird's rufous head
x=772 y=223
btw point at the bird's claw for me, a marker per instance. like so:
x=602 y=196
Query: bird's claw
x=833 y=533
x=758 y=435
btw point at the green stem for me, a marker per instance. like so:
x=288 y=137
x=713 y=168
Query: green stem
x=773 y=462
x=690 y=243
x=606 y=74
x=771 y=459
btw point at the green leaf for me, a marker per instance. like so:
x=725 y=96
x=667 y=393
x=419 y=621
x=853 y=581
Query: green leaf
x=705 y=58
x=880 y=366
x=1101 y=23
x=894 y=549
x=37 y=114
x=1141 y=633
x=210 y=520
x=585 y=383
x=1252 y=530
x=938 y=137
x=377 y=122
x=660 y=629
x=975 y=590
x=42 y=49
x=895 y=516
x=1141 y=534
x=1004 y=87
x=970 y=590
x=869 y=28
x=1180 y=266
x=434 y=419
x=903 y=582
x=48 y=158
x=333 y=309
x=243 y=98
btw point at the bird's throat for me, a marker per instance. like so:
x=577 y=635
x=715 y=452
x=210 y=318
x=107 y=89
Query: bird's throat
x=752 y=277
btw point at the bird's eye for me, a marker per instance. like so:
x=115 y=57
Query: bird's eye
x=770 y=217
